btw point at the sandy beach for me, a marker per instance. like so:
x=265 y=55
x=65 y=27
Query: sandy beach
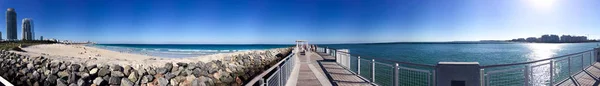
x=93 y=55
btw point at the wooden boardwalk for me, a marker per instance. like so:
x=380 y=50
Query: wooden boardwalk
x=588 y=77
x=319 y=69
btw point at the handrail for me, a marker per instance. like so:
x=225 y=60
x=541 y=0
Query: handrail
x=512 y=64
x=386 y=60
x=264 y=73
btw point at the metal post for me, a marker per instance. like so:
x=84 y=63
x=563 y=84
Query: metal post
x=358 y=69
x=527 y=73
x=279 y=78
x=552 y=72
x=372 y=70
x=396 y=75
x=582 y=62
x=569 y=64
x=481 y=77
x=262 y=82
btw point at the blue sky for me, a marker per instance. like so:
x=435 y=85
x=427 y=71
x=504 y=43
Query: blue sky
x=319 y=21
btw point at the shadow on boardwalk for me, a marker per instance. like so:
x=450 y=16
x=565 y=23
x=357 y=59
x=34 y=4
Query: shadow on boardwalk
x=338 y=75
x=588 y=77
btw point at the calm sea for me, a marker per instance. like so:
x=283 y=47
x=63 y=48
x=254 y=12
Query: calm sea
x=484 y=53
x=426 y=53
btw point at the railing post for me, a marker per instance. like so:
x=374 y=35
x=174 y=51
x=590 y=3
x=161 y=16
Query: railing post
x=569 y=64
x=279 y=78
x=482 y=75
x=552 y=72
x=396 y=75
x=582 y=62
x=373 y=70
x=527 y=73
x=262 y=82
x=358 y=69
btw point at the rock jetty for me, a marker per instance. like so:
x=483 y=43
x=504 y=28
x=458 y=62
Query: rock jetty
x=234 y=70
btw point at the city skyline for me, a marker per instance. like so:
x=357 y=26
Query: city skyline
x=275 y=22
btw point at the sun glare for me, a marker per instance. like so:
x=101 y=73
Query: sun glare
x=542 y=4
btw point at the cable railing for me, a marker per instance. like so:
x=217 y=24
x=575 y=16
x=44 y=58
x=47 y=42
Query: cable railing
x=383 y=72
x=277 y=75
x=551 y=71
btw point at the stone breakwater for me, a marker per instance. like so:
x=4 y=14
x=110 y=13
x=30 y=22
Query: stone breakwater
x=234 y=70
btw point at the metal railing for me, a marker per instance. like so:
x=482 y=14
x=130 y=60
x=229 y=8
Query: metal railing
x=277 y=75
x=551 y=71
x=382 y=71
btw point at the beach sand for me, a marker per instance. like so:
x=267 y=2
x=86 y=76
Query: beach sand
x=93 y=55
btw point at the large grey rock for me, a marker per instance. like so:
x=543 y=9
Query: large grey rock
x=60 y=82
x=126 y=82
x=116 y=74
x=84 y=75
x=163 y=82
x=168 y=66
x=75 y=67
x=114 y=81
x=98 y=81
x=197 y=82
x=116 y=67
x=51 y=79
x=62 y=74
x=147 y=78
x=169 y=76
x=103 y=71
x=161 y=70
x=151 y=71
x=133 y=76
x=126 y=70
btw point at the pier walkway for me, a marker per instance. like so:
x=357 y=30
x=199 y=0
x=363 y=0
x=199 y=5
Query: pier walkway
x=320 y=69
x=588 y=77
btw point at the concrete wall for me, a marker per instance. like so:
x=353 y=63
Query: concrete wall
x=231 y=71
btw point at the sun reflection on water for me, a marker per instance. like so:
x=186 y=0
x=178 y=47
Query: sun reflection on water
x=540 y=73
x=542 y=51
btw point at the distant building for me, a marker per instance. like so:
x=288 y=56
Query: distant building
x=11 y=24
x=41 y=37
x=27 y=29
x=571 y=39
x=531 y=39
x=550 y=38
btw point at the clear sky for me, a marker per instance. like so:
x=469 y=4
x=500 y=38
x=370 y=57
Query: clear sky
x=319 y=21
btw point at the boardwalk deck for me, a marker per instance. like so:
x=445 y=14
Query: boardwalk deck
x=586 y=78
x=319 y=69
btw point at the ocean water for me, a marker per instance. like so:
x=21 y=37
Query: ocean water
x=484 y=53
x=184 y=50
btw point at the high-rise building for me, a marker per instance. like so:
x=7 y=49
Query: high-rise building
x=27 y=28
x=11 y=24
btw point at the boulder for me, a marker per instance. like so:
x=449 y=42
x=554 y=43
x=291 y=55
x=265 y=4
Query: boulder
x=62 y=74
x=93 y=71
x=114 y=81
x=168 y=66
x=163 y=82
x=116 y=74
x=116 y=67
x=75 y=67
x=103 y=71
x=60 y=82
x=98 y=81
x=126 y=82
x=133 y=76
